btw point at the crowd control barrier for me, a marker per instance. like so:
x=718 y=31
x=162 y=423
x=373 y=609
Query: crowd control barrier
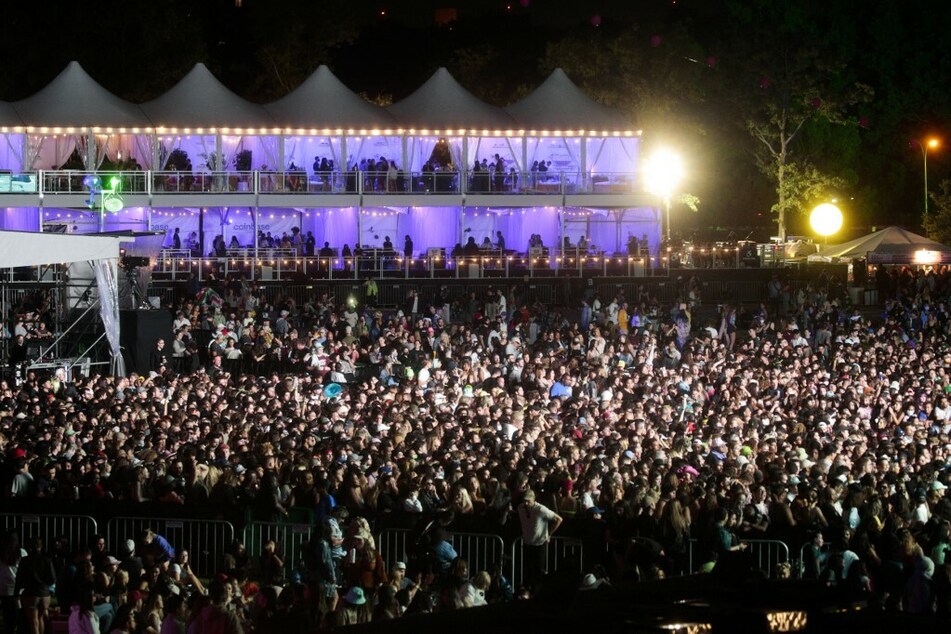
x=767 y=554
x=76 y=530
x=290 y=539
x=560 y=553
x=205 y=540
x=481 y=551
x=395 y=544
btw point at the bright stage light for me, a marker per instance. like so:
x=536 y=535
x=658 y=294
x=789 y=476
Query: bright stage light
x=826 y=219
x=663 y=173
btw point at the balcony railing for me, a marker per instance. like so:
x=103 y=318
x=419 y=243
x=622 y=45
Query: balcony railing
x=54 y=182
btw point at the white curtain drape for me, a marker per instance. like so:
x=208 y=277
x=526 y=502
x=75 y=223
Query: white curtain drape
x=142 y=151
x=96 y=154
x=421 y=148
x=269 y=154
x=230 y=146
x=25 y=148
x=107 y=281
x=63 y=147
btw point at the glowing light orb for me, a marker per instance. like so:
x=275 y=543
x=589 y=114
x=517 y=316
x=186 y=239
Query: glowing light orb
x=826 y=219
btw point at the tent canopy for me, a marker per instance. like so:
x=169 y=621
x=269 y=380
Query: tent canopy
x=443 y=104
x=8 y=115
x=27 y=248
x=895 y=243
x=75 y=100
x=199 y=100
x=324 y=100
x=558 y=104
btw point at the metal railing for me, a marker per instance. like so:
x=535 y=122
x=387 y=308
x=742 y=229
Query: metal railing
x=76 y=530
x=205 y=540
x=291 y=539
x=481 y=551
x=394 y=545
x=204 y=182
x=274 y=264
x=560 y=553
x=150 y=182
x=767 y=554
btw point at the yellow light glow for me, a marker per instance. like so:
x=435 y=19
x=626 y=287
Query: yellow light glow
x=786 y=621
x=924 y=256
x=933 y=143
x=663 y=173
x=826 y=219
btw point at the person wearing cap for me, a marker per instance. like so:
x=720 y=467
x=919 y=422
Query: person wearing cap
x=352 y=610
x=538 y=523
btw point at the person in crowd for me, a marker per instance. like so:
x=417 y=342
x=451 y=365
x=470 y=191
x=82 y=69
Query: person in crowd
x=538 y=523
x=35 y=578
x=817 y=421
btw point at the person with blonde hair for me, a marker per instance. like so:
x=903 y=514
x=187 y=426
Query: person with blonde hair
x=472 y=592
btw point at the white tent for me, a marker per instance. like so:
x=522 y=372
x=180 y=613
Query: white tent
x=558 y=104
x=199 y=100
x=76 y=100
x=25 y=248
x=74 y=112
x=8 y=116
x=890 y=245
x=443 y=104
x=325 y=101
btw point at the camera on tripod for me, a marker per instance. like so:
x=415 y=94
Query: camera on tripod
x=133 y=261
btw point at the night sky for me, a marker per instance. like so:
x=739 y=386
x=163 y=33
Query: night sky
x=692 y=73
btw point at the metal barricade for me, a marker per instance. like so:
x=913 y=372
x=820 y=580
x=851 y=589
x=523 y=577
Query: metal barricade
x=767 y=554
x=75 y=530
x=205 y=540
x=560 y=553
x=291 y=539
x=481 y=551
x=394 y=545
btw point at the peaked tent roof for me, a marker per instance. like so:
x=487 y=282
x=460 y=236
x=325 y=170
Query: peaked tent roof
x=558 y=104
x=29 y=248
x=76 y=100
x=199 y=100
x=889 y=241
x=8 y=115
x=443 y=104
x=324 y=101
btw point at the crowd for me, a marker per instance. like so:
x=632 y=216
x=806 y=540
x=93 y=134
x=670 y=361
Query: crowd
x=636 y=428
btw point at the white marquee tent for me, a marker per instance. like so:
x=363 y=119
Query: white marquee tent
x=443 y=104
x=558 y=104
x=324 y=98
x=890 y=245
x=23 y=248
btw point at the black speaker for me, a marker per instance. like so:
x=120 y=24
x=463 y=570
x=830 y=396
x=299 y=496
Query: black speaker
x=138 y=332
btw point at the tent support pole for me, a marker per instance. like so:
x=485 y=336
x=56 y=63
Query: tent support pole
x=254 y=262
x=583 y=164
x=404 y=150
x=156 y=153
x=525 y=155
x=90 y=151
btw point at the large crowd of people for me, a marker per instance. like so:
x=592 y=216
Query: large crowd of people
x=633 y=426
